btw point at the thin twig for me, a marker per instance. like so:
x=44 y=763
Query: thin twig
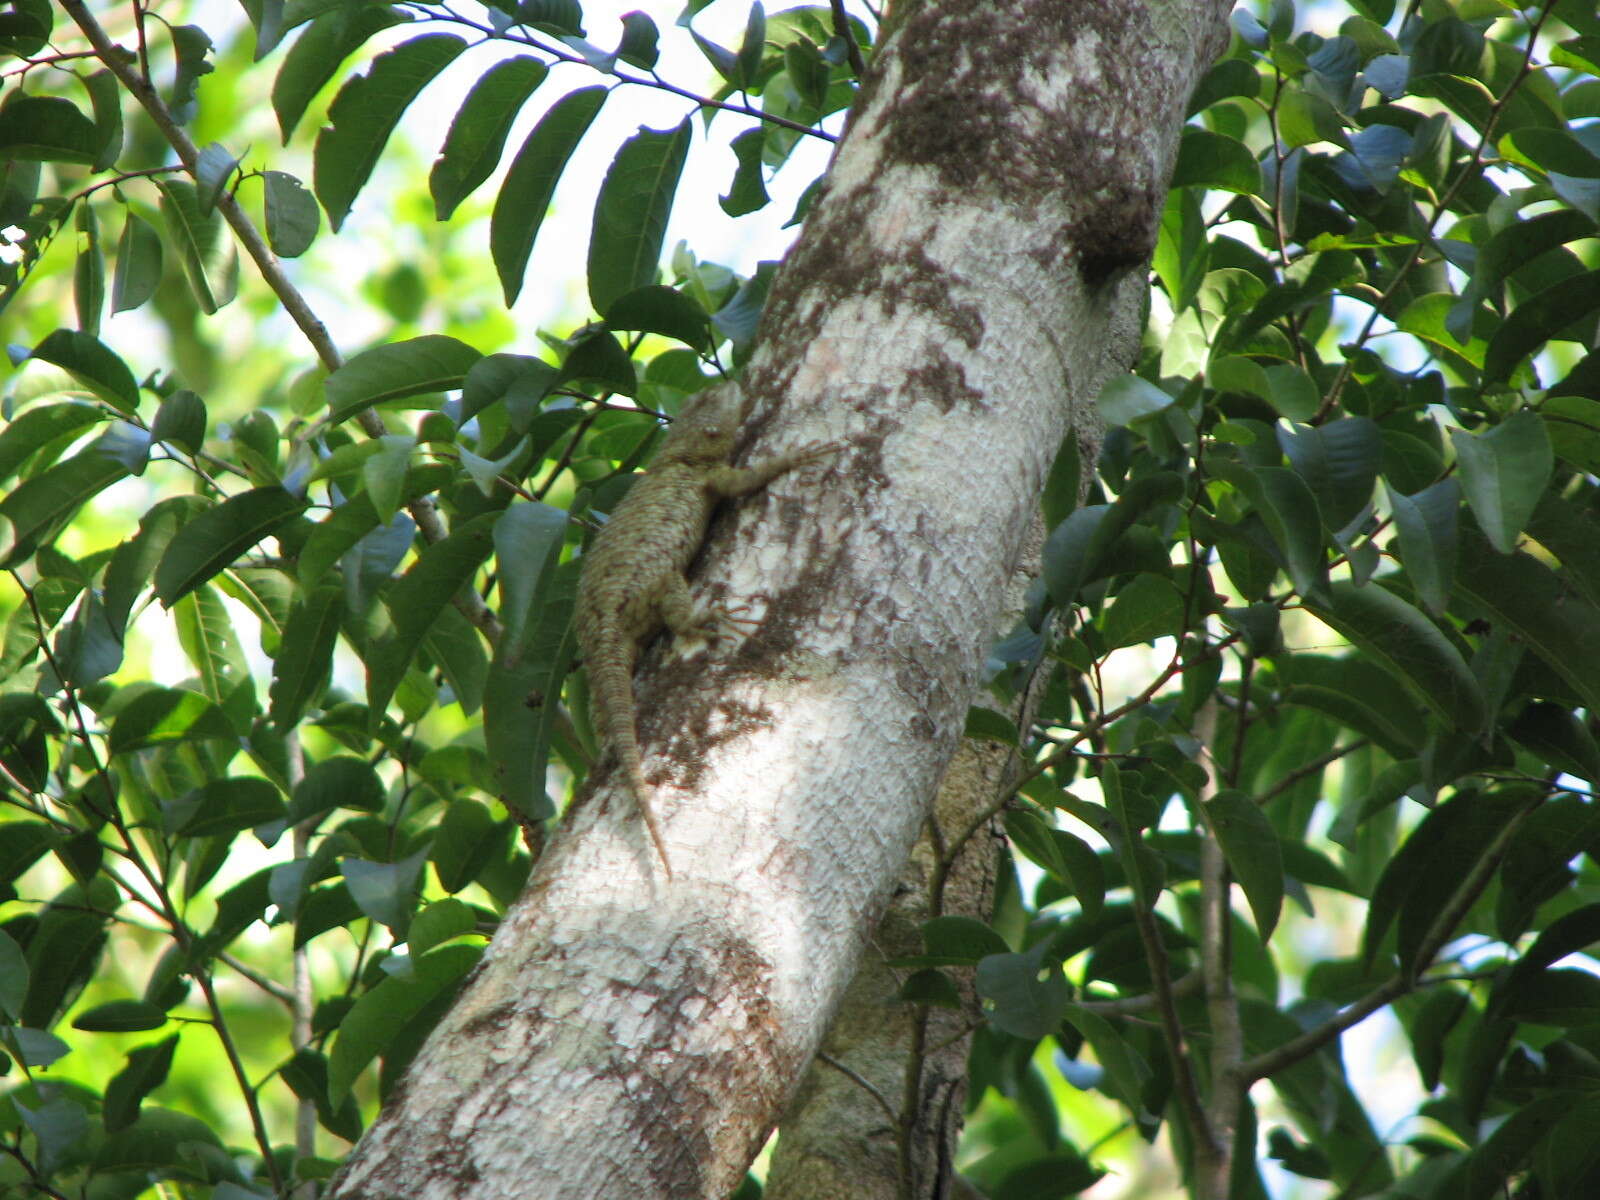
x=1188 y=1090
x=862 y=1082
x=1216 y=952
x=841 y=30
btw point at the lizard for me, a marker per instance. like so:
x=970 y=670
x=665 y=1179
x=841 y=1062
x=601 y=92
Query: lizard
x=632 y=583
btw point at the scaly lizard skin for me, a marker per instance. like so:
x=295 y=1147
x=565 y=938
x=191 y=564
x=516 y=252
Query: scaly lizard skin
x=632 y=582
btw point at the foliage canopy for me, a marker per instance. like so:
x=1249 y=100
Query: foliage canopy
x=1349 y=496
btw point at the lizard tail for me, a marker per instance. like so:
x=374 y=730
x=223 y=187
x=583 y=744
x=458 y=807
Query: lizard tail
x=611 y=683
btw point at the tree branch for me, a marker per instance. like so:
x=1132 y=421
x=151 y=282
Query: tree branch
x=1216 y=954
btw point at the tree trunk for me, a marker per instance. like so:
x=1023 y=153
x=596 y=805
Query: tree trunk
x=945 y=311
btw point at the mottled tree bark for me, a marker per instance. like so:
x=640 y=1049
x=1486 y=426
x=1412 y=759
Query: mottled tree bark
x=945 y=311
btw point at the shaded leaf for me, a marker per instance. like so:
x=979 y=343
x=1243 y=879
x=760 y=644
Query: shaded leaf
x=1250 y=845
x=631 y=210
x=478 y=132
x=369 y=1028
x=1503 y=473
x=525 y=195
x=365 y=112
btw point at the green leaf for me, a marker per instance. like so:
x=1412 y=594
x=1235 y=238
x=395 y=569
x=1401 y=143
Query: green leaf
x=207 y=636
x=63 y=951
x=212 y=173
x=353 y=520
x=121 y=1016
x=524 y=536
x=385 y=892
x=292 y=216
x=138 y=269
x=317 y=52
x=417 y=598
x=639 y=38
x=384 y=470
x=304 y=660
x=431 y=363
x=146 y=1070
x=227 y=806
x=1213 y=160
x=190 y=46
x=209 y=259
x=134 y=561
x=961 y=940
x=217 y=537
x=38 y=506
x=1077 y=546
x=478 y=133
x=337 y=782
x=164 y=715
x=88 y=272
x=1127 y=1072
x=181 y=420
x=48 y=129
x=1339 y=462
x=379 y=1016
x=1250 y=845
x=1538 y=319
x=631 y=211
x=1567 y=934
x=1504 y=473
x=1023 y=995
x=751 y=47
x=985 y=724
x=664 y=310
x=748 y=193
x=456 y=646
x=1401 y=640
x=307 y=1076
x=14 y=972
x=365 y=112
x=525 y=195
x=92 y=363
x=1148 y=608
x=1523 y=594
x=40 y=426
x=1426 y=525
x=1291 y=514
x=462 y=845
x=1128 y=398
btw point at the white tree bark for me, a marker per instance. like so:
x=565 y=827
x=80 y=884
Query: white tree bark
x=944 y=310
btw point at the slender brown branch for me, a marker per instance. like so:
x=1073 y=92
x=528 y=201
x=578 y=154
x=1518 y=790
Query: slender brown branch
x=1216 y=956
x=423 y=510
x=863 y=1083
x=841 y=29
x=1310 y=768
x=1127 y=1006
x=1155 y=952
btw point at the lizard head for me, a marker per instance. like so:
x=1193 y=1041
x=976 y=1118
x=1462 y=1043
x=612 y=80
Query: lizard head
x=704 y=433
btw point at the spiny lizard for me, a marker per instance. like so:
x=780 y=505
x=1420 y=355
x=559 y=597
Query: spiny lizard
x=632 y=582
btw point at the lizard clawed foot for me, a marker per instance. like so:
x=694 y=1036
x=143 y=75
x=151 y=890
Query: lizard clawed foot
x=724 y=620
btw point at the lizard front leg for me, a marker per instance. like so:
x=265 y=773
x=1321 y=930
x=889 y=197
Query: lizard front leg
x=730 y=482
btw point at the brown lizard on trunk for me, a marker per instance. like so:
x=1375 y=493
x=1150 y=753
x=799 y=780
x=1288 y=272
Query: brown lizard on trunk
x=632 y=582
